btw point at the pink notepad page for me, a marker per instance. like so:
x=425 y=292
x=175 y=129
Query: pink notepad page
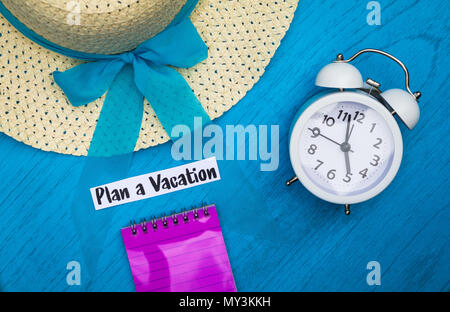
x=181 y=253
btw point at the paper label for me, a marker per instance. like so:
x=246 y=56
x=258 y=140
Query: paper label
x=155 y=183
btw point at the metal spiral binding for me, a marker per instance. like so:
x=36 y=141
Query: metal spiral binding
x=164 y=219
x=133 y=227
x=144 y=225
x=154 y=224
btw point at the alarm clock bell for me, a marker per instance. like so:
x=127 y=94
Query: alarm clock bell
x=342 y=75
x=404 y=105
x=339 y=75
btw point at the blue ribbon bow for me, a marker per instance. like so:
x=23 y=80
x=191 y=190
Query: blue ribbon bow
x=166 y=90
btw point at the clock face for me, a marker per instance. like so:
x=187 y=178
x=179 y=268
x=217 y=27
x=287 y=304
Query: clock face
x=346 y=148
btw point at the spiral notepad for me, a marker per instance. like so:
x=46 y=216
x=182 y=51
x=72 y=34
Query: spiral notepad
x=182 y=252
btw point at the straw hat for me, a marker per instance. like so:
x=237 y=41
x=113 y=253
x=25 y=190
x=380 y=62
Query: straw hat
x=241 y=36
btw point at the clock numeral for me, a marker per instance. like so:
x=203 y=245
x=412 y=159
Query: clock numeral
x=344 y=115
x=363 y=173
x=329 y=121
x=315 y=132
x=373 y=127
x=376 y=160
x=360 y=117
x=320 y=164
x=312 y=149
x=348 y=178
x=331 y=174
x=340 y=114
x=377 y=145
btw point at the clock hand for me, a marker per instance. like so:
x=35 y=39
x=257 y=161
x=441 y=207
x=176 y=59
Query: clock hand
x=347 y=163
x=316 y=132
x=347 y=136
x=345 y=147
x=351 y=131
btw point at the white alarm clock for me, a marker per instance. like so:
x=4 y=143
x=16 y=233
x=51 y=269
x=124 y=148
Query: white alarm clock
x=345 y=145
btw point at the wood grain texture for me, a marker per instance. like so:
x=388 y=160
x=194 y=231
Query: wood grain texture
x=297 y=242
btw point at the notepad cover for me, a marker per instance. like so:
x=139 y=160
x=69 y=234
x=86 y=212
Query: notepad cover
x=183 y=256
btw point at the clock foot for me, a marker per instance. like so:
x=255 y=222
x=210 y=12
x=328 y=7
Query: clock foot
x=347 y=209
x=289 y=182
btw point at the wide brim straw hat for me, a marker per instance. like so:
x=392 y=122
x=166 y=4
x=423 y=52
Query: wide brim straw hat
x=241 y=37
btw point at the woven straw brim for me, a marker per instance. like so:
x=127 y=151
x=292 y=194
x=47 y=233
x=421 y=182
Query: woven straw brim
x=241 y=36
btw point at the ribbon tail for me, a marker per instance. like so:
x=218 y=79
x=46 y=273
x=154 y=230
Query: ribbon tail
x=120 y=120
x=170 y=96
x=109 y=159
x=94 y=227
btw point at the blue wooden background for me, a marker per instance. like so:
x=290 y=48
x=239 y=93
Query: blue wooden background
x=295 y=242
